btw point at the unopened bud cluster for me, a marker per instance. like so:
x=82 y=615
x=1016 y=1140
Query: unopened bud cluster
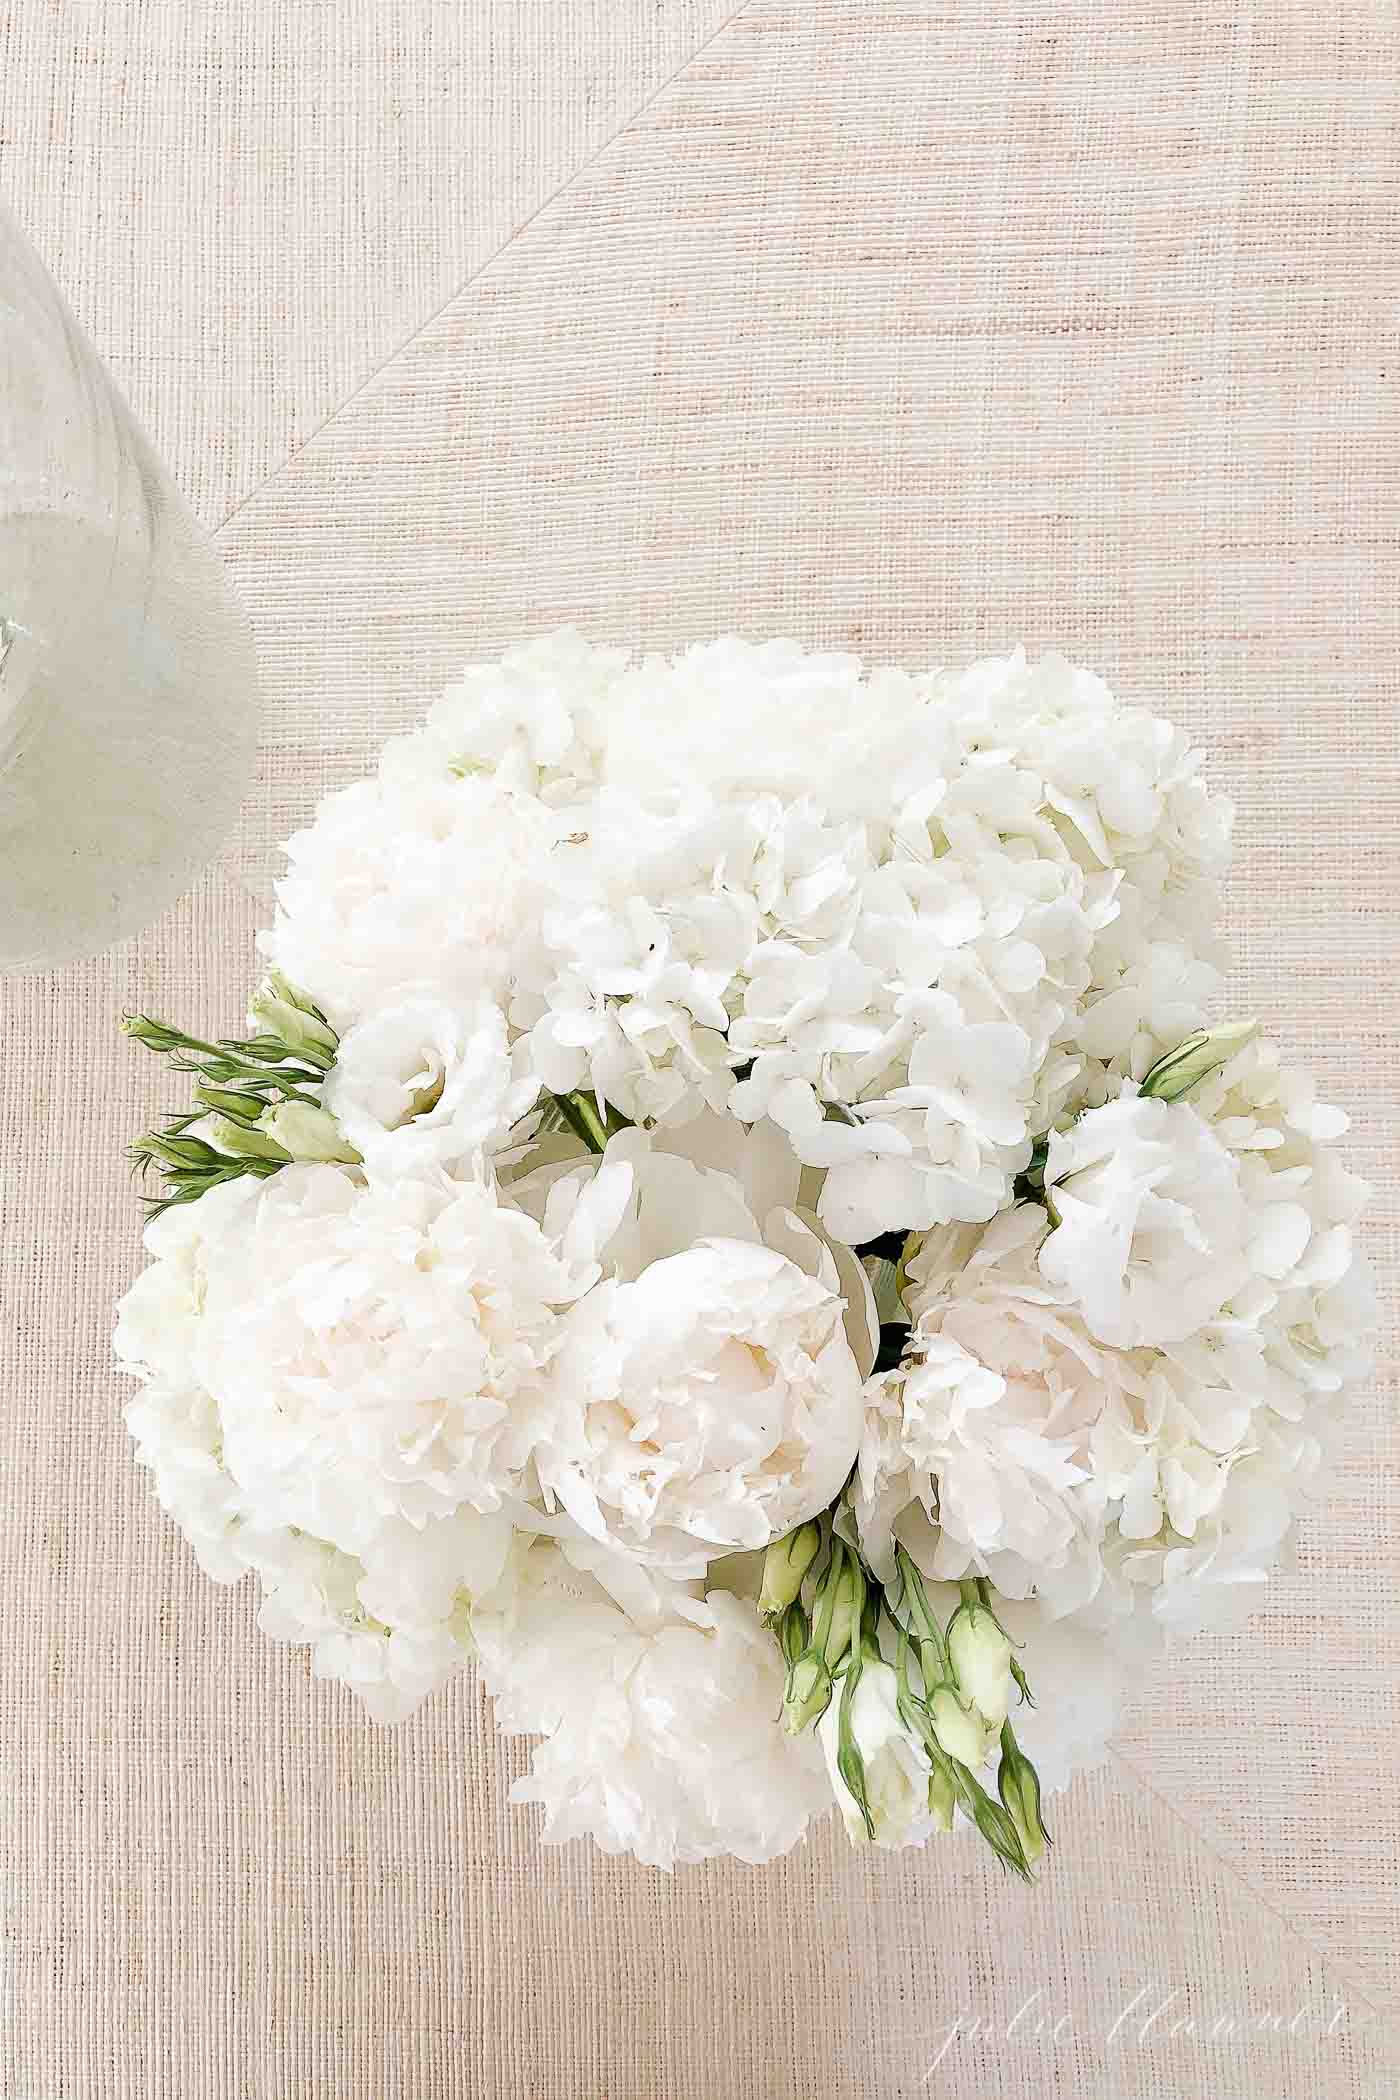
x=257 y=1099
x=908 y=1709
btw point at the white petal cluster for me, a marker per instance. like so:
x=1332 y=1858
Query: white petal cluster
x=1152 y=1234
x=346 y=1396
x=427 y=1082
x=884 y=912
x=653 y=992
x=661 y=1736
x=400 y=885
x=896 y=1766
x=706 y=1397
x=1125 y=1409
x=976 y=1449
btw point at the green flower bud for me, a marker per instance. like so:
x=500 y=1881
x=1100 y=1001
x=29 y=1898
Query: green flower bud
x=942 y=1798
x=850 y=1761
x=784 y=1565
x=243 y=1142
x=1019 y=1787
x=280 y=986
x=1194 y=1060
x=847 y=1603
x=793 y=1633
x=176 y=1151
x=307 y=1133
x=838 y=1605
x=959 y=1728
x=154 y=1034
x=290 y=1016
x=999 y=1831
x=980 y=1656
x=808 y=1692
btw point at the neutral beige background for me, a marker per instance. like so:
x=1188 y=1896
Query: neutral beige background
x=917 y=327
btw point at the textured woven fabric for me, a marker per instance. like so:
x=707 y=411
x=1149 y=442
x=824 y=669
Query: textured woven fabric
x=920 y=329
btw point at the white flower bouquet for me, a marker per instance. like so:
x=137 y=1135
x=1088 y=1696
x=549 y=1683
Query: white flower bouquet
x=732 y=1214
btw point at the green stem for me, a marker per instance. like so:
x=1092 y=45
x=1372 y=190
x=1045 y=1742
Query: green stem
x=583 y=1119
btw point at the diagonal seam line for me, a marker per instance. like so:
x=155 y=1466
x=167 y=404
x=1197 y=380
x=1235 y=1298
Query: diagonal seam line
x=1383 y=2015
x=488 y=263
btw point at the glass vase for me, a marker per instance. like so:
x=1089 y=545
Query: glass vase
x=128 y=687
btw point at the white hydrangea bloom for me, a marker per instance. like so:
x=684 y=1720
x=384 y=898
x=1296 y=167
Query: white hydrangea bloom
x=1123 y=792
x=1121 y=786
x=662 y=1731
x=706 y=1394
x=529 y=722
x=428 y=1082
x=735 y=719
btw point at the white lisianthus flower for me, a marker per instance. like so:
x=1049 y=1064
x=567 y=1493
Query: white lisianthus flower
x=662 y=1730
x=896 y=1765
x=979 y=1655
x=706 y=1395
x=427 y=1083
x=1151 y=1228
x=382 y=1352
x=1171 y=1216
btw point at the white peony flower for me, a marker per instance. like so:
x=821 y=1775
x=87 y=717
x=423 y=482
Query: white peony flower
x=176 y=1430
x=1125 y=1480
x=977 y=1450
x=389 y=1615
x=706 y=1395
x=382 y=1352
x=427 y=1083
x=158 y=1321
x=399 y=885
x=663 y=1736
x=895 y=1763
